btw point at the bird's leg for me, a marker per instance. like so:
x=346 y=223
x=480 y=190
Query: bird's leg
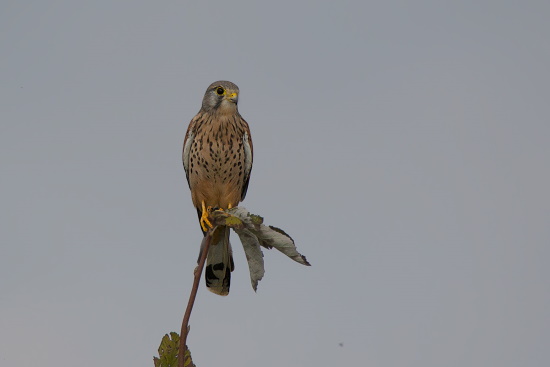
x=205 y=223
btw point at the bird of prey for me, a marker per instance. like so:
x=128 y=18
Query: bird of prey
x=217 y=158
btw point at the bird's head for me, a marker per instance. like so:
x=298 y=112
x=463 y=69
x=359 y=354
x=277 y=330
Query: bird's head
x=221 y=97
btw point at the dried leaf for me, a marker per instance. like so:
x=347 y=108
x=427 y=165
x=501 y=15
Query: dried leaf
x=253 y=234
x=270 y=236
x=254 y=256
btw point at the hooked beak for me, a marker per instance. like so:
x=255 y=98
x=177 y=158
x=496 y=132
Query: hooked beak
x=232 y=97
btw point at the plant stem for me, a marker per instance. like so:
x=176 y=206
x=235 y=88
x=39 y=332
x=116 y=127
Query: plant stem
x=197 y=273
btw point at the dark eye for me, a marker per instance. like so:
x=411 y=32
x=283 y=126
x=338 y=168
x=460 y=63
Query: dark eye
x=220 y=91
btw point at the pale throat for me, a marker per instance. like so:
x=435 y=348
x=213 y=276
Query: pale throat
x=227 y=108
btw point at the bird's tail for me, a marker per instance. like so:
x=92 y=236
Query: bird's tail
x=219 y=262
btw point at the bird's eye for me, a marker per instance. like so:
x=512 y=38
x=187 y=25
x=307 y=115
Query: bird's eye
x=220 y=91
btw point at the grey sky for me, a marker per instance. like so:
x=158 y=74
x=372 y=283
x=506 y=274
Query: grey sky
x=403 y=145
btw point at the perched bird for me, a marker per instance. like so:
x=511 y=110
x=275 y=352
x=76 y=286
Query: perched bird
x=217 y=158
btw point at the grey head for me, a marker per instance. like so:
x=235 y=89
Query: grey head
x=221 y=96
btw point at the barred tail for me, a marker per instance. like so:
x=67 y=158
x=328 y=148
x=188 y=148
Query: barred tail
x=219 y=262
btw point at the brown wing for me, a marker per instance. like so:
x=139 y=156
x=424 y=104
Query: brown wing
x=249 y=157
x=189 y=137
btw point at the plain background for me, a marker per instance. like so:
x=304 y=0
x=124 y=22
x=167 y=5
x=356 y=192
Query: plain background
x=404 y=145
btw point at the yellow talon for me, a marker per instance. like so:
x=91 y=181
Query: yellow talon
x=205 y=222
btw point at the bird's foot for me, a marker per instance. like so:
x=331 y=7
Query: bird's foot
x=205 y=222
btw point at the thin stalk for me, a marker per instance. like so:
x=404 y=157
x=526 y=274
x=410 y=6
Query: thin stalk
x=197 y=273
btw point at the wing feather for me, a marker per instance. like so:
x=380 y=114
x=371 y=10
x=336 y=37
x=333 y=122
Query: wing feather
x=189 y=137
x=248 y=158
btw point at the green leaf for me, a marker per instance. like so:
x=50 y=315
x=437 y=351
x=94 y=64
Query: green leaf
x=168 y=352
x=233 y=222
x=256 y=219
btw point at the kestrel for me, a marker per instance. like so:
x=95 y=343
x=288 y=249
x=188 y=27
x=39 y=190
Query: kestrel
x=217 y=157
